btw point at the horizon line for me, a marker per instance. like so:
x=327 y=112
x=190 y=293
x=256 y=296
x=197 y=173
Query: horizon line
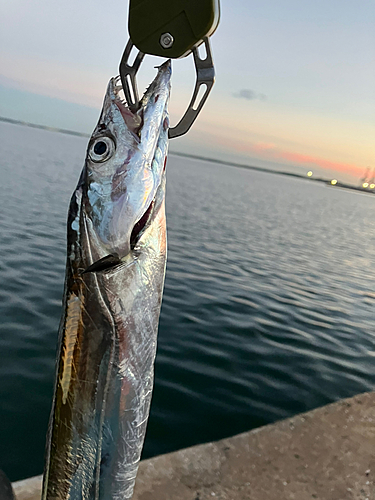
x=176 y=153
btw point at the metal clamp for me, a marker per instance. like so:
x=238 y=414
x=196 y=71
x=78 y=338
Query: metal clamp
x=128 y=76
x=205 y=77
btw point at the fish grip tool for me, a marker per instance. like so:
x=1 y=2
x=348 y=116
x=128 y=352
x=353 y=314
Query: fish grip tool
x=171 y=29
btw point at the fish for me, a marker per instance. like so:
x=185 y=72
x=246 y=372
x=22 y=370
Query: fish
x=116 y=261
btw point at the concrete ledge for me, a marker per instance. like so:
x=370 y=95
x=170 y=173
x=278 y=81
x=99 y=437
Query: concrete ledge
x=28 y=489
x=325 y=454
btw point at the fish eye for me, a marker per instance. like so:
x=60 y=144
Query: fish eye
x=101 y=149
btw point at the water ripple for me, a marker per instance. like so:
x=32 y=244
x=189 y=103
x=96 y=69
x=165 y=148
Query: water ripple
x=268 y=304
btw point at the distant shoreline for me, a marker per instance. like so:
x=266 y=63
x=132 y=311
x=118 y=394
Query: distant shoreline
x=201 y=158
x=43 y=127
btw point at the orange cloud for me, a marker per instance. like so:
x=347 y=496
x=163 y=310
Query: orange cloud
x=270 y=151
x=262 y=147
x=320 y=162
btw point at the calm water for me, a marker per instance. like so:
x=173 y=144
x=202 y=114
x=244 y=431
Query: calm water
x=268 y=308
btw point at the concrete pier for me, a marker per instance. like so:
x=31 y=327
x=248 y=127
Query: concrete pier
x=325 y=454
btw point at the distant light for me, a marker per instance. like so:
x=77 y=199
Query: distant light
x=334 y=182
x=365 y=185
x=372 y=186
x=309 y=174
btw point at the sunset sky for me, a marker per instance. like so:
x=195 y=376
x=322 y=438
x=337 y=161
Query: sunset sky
x=295 y=82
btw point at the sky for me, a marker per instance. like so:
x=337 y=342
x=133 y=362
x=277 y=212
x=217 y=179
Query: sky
x=295 y=80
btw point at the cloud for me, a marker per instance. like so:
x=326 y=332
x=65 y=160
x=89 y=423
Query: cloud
x=249 y=95
x=269 y=151
x=320 y=162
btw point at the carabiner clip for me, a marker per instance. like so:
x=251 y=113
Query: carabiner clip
x=205 y=76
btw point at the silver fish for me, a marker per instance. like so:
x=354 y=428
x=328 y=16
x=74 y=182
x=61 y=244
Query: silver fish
x=113 y=291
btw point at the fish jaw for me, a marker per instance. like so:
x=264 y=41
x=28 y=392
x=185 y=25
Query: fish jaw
x=119 y=191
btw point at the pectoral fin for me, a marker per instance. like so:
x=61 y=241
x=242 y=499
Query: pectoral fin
x=103 y=264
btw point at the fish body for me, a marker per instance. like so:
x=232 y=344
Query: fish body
x=113 y=291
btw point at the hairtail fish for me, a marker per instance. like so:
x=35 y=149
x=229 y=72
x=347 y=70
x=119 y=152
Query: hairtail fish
x=116 y=259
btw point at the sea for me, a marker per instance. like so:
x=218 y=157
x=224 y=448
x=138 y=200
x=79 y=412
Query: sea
x=268 y=309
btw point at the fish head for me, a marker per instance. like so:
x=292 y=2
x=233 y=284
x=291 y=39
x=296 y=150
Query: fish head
x=124 y=168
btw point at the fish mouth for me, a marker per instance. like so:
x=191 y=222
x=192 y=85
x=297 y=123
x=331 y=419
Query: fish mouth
x=149 y=125
x=134 y=120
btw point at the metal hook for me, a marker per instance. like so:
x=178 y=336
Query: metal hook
x=205 y=76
